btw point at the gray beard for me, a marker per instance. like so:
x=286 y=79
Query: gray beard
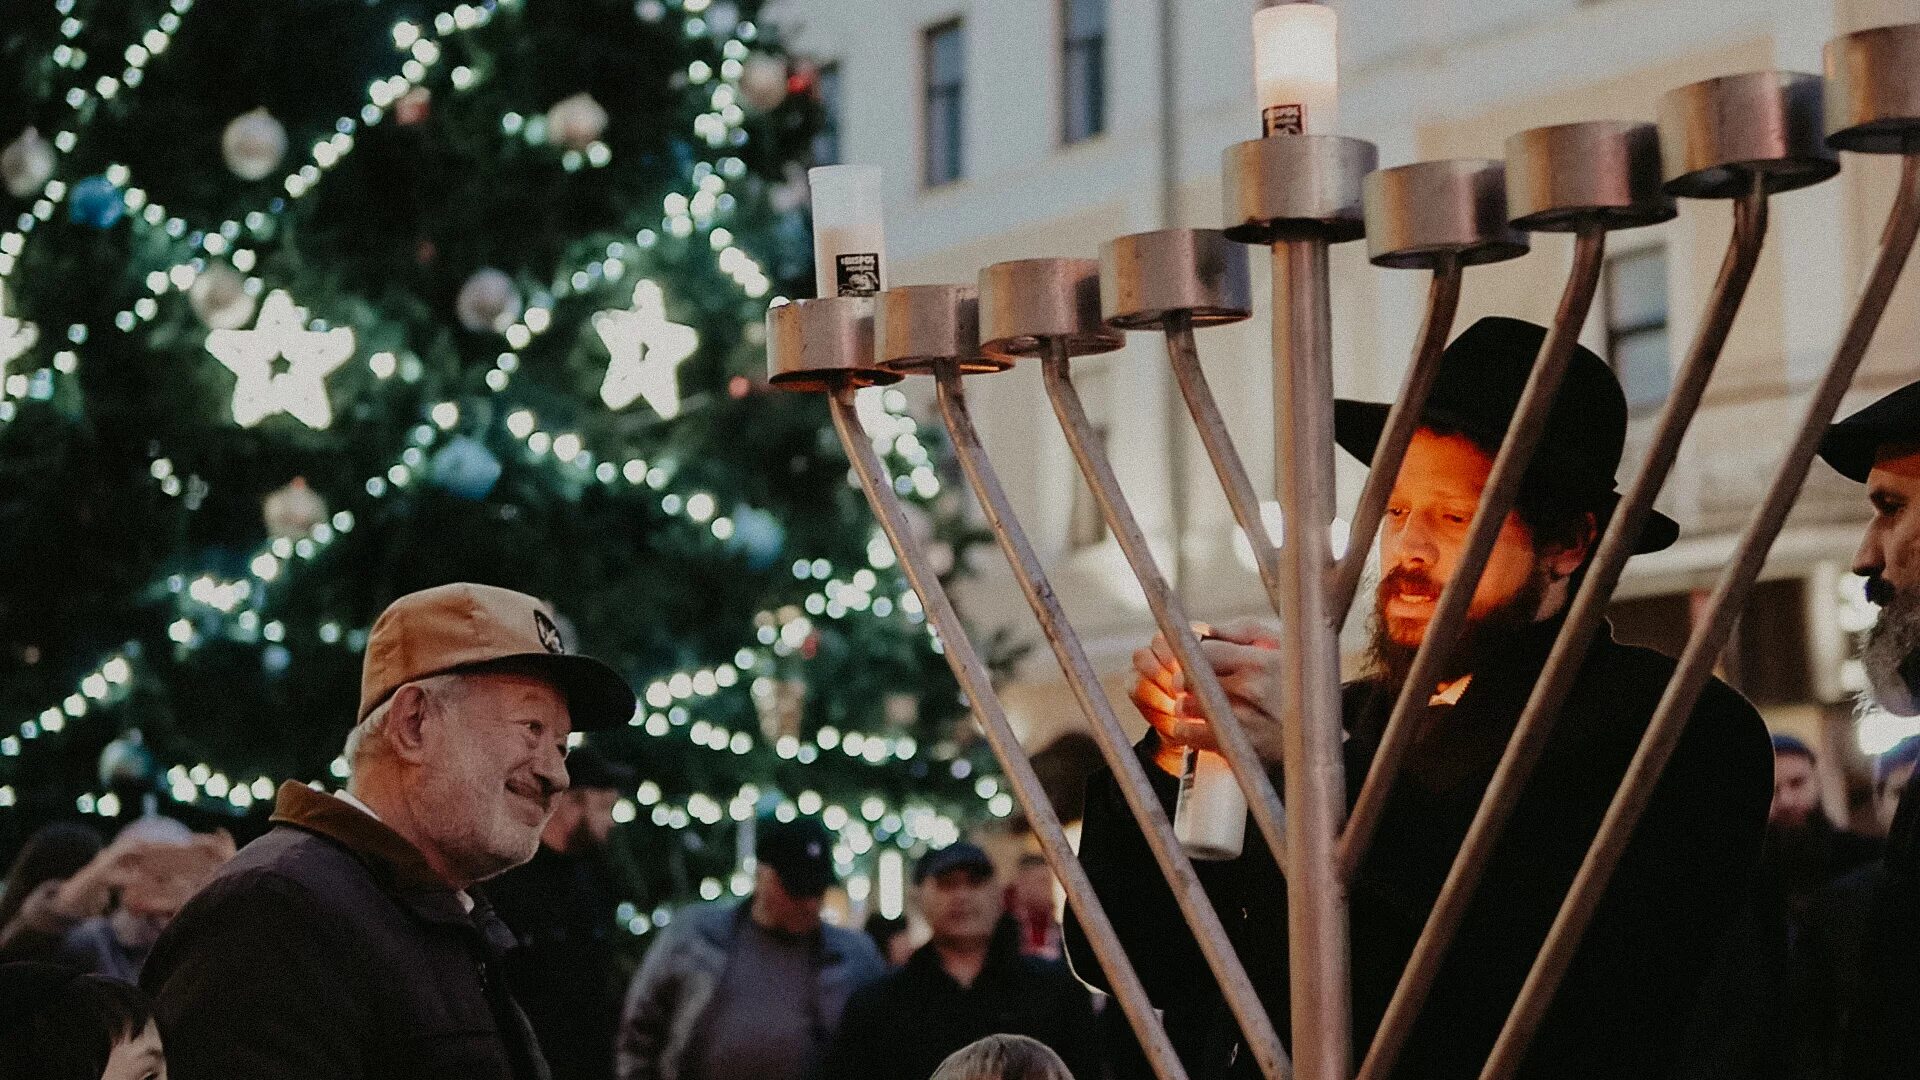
x=1892 y=655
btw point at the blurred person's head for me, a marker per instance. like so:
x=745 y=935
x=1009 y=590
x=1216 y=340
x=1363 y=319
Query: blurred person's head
x=1003 y=1057
x=53 y=853
x=1032 y=885
x=468 y=698
x=1796 y=783
x=583 y=814
x=890 y=936
x=169 y=871
x=1892 y=771
x=958 y=897
x=794 y=867
x=1879 y=446
x=57 y=1024
x=1565 y=498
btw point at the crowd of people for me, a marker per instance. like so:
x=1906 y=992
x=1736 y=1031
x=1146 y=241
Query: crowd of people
x=451 y=912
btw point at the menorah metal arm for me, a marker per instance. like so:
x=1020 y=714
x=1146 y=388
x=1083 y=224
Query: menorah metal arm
x=1312 y=725
x=1135 y=787
x=1168 y=612
x=1241 y=498
x=1443 y=301
x=985 y=703
x=1496 y=501
x=1709 y=637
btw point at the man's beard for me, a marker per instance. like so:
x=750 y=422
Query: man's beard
x=1892 y=653
x=1483 y=638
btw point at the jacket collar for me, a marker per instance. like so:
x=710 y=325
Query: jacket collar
x=399 y=867
x=722 y=932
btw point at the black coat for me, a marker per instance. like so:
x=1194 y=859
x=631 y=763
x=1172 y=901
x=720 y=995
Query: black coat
x=327 y=950
x=563 y=969
x=903 y=1026
x=1624 y=1004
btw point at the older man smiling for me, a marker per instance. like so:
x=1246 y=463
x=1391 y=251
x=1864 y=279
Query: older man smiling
x=346 y=942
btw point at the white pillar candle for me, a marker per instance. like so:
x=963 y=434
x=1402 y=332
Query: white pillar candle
x=1296 y=69
x=849 y=235
x=1210 y=816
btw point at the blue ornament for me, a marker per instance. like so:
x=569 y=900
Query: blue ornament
x=758 y=536
x=274 y=659
x=466 y=468
x=96 y=203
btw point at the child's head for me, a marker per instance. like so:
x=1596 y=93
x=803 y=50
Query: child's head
x=1003 y=1057
x=61 y=1025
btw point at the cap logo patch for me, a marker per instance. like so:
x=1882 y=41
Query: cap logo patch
x=549 y=633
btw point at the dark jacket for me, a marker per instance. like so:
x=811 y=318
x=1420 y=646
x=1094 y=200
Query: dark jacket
x=1623 y=1007
x=328 y=950
x=563 y=969
x=1859 y=962
x=666 y=1007
x=905 y=1025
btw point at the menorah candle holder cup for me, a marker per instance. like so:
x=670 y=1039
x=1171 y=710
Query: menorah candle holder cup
x=1296 y=186
x=916 y=328
x=1600 y=173
x=1027 y=304
x=823 y=344
x=1145 y=277
x=1873 y=91
x=1718 y=136
x=1422 y=215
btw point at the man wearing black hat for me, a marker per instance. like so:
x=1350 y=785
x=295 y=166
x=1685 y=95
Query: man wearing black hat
x=753 y=989
x=1861 y=958
x=560 y=906
x=1623 y=1006
x=967 y=982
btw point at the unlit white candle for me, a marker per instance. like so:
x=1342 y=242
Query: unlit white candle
x=1296 y=69
x=849 y=234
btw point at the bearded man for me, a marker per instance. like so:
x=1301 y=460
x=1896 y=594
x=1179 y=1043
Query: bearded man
x=1860 y=964
x=348 y=943
x=1623 y=1008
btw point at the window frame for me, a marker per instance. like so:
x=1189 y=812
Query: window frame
x=932 y=94
x=1094 y=48
x=1619 y=333
x=829 y=73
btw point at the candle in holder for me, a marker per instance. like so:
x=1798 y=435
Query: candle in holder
x=1296 y=70
x=849 y=236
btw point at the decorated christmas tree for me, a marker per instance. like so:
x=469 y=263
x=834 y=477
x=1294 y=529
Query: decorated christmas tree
x=305 y=305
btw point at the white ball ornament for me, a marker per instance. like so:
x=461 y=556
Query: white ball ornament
x=26 y=165
x=254 y=145
x=576 y=122
x=219 y=296
x=763 y=83
x=488 y=302
x=292 y=512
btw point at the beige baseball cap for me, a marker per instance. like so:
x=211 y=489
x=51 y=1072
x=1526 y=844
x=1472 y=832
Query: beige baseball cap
x=453 y=627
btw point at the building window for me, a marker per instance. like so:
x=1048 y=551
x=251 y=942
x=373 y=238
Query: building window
x=826 y=142
x=1083 y=68
x=1637 y=325
x=944 y=105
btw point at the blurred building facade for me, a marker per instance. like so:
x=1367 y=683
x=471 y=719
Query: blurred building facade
x=1021 y=128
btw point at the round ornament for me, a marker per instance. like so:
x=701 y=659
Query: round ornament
x=465 y=468
x=413 y=107
x=127 y=762
x=219 y=296
x=96 y=203
x=292 y=512
x=576 y=123
x=488 y=302
x=763 y=83
x=254 y=145
x=26 y=165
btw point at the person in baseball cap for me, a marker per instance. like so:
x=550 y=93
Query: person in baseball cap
x=353 y=917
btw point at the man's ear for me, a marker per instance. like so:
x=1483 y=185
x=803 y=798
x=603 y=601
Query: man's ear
x=1570 y=551
x=409 y=717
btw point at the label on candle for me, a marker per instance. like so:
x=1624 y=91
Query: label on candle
x=858 y=273
x=1283 y=120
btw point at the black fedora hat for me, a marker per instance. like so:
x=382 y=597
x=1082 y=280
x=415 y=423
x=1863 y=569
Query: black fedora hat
x=1851 y=445
x=1476 y=390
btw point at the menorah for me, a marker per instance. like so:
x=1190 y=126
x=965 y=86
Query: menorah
x=1741 y=138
